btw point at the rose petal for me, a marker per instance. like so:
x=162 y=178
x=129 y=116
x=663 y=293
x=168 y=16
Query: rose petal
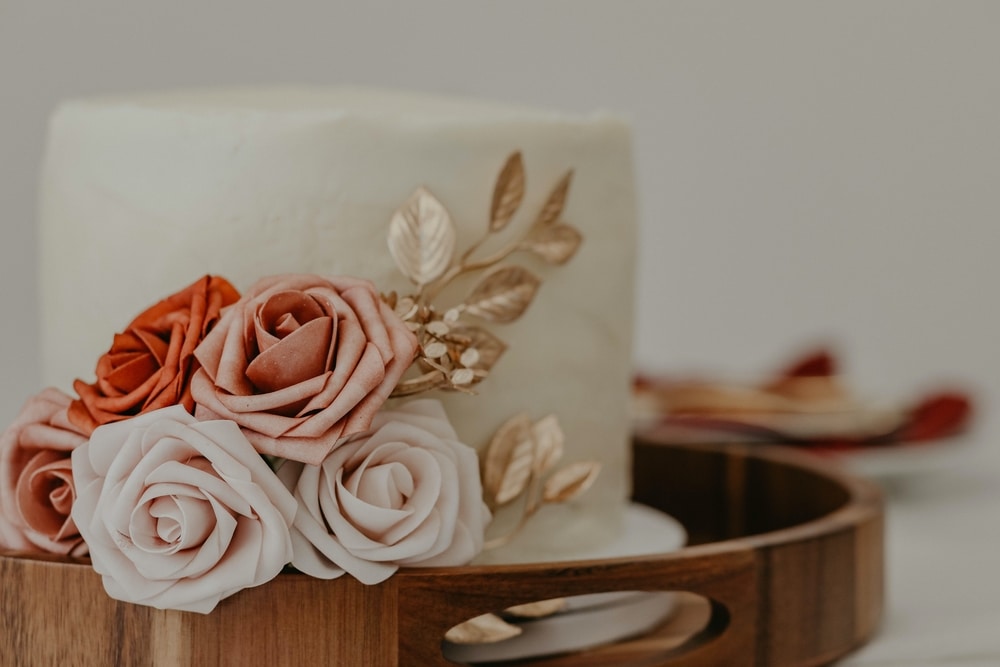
x=36 y=480
x=402 y=495
x=45 y=493
x=180 y=514
x=294 y=403
x=387 y=485
x=150 y=364
x=300 y=356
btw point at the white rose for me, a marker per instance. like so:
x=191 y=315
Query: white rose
x=408 y=494
x=179 y=514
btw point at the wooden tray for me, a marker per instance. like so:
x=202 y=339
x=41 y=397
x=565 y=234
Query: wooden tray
x=785 y=568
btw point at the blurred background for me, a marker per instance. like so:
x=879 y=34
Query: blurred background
x=809 y=172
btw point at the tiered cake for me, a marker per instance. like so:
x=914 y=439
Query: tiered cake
x=143 y=194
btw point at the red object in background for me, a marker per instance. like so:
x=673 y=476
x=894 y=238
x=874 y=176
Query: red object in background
x=939 y=414
x=816 y=364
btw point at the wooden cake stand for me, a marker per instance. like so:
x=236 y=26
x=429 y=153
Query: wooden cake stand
x=784 y=568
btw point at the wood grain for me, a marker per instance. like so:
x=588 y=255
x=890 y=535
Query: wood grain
x=785 y=568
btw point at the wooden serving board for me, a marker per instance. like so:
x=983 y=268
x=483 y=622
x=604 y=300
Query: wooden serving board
x=785 y=567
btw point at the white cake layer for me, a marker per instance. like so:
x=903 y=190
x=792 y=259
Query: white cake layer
x=143 y=194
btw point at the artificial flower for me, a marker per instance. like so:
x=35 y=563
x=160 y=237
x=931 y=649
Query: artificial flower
x=36 y=478
x=301 y=362
x=149 y=365
x=179 y=514
x=408 y=494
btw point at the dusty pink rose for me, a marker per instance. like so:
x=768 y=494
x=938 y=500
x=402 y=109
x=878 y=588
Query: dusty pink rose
x=409 y=494
x=301 y=362
x=179 y=514
x=36 y=478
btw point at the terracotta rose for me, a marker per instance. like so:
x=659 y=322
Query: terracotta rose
x=149 y=365
x=179 y=514
x=301 y=362
x=36 y=478
x=409 y=494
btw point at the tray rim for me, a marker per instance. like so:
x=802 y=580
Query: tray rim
x=431 y=600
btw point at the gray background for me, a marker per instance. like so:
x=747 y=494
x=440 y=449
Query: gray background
x=808 y=172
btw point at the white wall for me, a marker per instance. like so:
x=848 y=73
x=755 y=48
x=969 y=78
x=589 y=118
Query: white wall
x=808 y=171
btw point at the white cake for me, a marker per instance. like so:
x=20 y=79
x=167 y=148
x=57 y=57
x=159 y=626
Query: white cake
x=143 y=194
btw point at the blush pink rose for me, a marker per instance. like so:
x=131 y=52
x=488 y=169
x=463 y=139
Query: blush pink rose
x=179 y=514
x=301 y=362
x=408 y=494
x=36 y=478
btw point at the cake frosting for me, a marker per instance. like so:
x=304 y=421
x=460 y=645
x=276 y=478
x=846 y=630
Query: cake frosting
x=142 y=194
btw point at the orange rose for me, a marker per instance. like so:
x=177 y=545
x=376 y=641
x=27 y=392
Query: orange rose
x=301 y=362
x=149 y=366
x=36 y=478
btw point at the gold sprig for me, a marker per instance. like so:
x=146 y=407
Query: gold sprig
x=517 y=465
x=455 y=354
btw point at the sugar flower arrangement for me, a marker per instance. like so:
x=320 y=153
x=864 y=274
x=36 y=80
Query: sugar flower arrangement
x=228 y=437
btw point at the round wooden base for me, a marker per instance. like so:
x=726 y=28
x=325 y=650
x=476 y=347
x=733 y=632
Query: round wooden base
x=784 y=568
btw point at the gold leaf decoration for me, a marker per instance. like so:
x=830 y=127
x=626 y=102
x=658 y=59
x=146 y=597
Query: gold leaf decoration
x=422 y=238
x=503 y=294
x=489 y=347
x=553 y=207
x=430 y=380
x=508 y=192
x=517 y=472
x=555 y=243
x=454 y=354
x=539 y=609
x=462 y=376
x=485 y=629
x=549 y=440
x=571 y=481
x=501 y=451
x=516 y=463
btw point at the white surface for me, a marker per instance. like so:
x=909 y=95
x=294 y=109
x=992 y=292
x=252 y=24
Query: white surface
x=806 y=170
x=888 y=464
x=644 y=531
x=943 y=550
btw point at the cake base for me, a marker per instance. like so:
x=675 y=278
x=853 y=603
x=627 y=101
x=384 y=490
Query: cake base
x=786 y=560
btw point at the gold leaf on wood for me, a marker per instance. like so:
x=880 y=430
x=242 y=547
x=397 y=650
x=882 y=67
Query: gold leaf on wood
x=503 y=294
x=485 y=629
x=569 y=482
x=553 y=207
x=549 y=440
x=502 y=449
x=508 y=192
x=539 y=609
x=422 y=237
x=555 y=243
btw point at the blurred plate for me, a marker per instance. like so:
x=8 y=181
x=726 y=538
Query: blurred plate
x=598 y=618
x=905 y=459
